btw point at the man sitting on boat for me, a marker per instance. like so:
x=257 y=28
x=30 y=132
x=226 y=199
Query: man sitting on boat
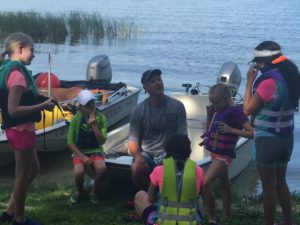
x=152 y=122
x=87 y=133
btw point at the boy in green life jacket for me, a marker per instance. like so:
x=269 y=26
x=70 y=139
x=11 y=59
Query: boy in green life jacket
x=87 y=133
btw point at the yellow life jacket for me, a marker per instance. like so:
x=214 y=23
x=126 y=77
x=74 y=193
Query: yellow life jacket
x=178 y=199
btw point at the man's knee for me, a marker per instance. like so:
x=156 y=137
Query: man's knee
x=139 y=171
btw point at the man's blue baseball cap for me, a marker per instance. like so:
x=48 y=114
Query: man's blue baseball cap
x=147 y=75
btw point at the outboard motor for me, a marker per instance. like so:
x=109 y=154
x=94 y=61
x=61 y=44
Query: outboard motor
x=99 y=68
x=230 y=75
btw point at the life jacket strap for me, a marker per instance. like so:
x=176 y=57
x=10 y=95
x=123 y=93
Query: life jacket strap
x=188 y=205
x=189 y=218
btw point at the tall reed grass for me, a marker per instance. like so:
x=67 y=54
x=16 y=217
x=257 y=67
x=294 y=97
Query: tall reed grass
x=73 y=27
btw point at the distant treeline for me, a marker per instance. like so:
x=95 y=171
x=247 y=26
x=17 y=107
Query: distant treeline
x=73 y=27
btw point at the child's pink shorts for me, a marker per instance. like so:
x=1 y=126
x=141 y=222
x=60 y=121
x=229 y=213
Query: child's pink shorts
x=20 y=140
x=94 y=157
x=224 y=158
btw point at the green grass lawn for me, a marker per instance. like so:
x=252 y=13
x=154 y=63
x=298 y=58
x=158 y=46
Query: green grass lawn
x=47 y=203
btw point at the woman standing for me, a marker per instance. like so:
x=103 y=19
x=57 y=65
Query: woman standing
x=272 y=99
x=20 y=110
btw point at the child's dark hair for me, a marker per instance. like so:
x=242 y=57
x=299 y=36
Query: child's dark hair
x=179 y=147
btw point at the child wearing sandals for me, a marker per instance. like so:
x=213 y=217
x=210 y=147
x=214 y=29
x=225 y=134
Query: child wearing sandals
x=225 y=123
x=20 y=109
x=87 y=133
x=175 y=185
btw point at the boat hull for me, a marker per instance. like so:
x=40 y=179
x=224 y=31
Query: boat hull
x=120 y=108
x=119 y=161
x=120 y=165
x=54 y=138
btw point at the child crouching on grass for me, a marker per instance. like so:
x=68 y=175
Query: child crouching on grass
x=178 y=182
x=87 y=133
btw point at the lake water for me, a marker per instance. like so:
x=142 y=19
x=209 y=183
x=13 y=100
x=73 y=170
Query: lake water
x=188 y=40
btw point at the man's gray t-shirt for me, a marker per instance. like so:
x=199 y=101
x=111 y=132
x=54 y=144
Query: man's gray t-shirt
x=151 y=126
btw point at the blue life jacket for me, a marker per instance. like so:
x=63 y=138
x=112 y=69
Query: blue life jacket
x=277 y=116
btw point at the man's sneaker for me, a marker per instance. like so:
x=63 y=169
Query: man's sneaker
x=75 y=199
x=93 y=198
x=27 y=222
x=5 y=217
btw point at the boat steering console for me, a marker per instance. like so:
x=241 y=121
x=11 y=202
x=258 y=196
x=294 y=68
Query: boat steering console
x=229 y=74
x=196 y=89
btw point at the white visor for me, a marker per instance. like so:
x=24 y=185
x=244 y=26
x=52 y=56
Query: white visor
x=265 y=53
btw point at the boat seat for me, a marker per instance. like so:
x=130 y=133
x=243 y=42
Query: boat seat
x=104 y=95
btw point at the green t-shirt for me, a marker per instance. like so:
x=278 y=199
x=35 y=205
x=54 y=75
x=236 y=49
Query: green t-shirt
x=73 y=133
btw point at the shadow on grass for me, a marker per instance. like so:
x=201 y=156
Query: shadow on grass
x=47 y=202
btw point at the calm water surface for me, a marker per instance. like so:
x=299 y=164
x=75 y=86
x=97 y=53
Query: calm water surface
x=187 y=40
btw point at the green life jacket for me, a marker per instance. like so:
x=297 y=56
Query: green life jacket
x=28 y=98
x=8 y=66
x=87 y=147
x=178 y=198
